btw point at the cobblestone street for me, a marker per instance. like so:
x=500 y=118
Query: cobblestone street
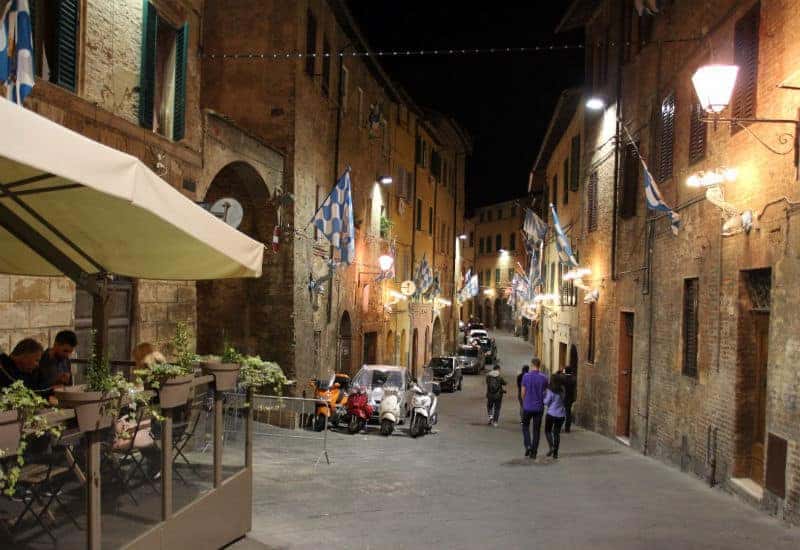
x=469 y=486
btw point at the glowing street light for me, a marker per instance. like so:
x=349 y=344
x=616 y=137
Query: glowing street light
x=385 y=262
x=712 y=177
x=385 y=180
x=595 y=103
x=714 y=86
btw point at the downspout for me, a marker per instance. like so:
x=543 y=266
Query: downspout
x=620 y=60
x=413 y=245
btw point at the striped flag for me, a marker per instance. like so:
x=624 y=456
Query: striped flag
x=565 y=254
x=534 y=228
x=16 y=51
x=656 y=202
x=423 y=278
x=334 y=218
x=535 y=270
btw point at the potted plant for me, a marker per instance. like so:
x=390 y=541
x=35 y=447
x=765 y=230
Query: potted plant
x=225 y=369
x=19 y=408
x=97 y=402
x=173 y=380
x=263 y=376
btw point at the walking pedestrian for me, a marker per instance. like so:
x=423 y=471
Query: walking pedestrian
x=519 y=389
x=534 y=384
x=570 y=393
x=494 y=394
x=554 y=400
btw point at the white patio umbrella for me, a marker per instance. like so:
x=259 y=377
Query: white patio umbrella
x=104 y=211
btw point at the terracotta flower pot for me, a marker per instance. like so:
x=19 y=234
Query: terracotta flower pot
x=10 y=432
x=93 y=409
x=225 y=374
x=174 y=392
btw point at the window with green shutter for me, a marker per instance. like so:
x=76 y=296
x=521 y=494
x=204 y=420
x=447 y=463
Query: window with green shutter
x=55 y=28
x=181 y=55
x=147 y=73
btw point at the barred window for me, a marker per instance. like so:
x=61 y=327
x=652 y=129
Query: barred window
x=591 y=202
x=592 y=321
x=666 y=138
x=630 y=181
x=690 y=325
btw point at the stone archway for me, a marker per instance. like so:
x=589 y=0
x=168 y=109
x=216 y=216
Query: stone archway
x=436 y=344
x=236 y=311
x=344 y=347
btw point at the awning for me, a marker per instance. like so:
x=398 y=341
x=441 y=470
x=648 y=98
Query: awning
x=104 y=210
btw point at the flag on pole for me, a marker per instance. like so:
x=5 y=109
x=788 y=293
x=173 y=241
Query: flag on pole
x=534 y=227
x=535 y=270
x=473 y=286
x=656 y=202
x=334 y=218
x=565 y=254
x=423 y=278
x=16 y=51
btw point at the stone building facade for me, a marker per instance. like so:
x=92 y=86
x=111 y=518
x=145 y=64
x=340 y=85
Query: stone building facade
x=689 y=353
x=114 y=78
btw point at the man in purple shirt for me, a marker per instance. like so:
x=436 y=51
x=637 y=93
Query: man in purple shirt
x=534 y=384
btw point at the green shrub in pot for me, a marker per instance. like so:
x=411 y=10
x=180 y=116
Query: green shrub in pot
x=172 y=380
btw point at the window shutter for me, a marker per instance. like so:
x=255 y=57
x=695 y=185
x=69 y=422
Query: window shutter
x=554 y=198
x=630 y=181
x=575 y=164
x=418 y=150
x=311 y=43
x=147 y=73
x=566 y=180
x=666 y=138
x=591 y=201
x=181 y=57
x=66 y=55
x=697 y=135
x=745 y=55
x=592 y=321
x=690 y=323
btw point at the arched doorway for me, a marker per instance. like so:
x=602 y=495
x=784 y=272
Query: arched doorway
x=403 y=349
x=427 y=348
x=436 y=345
x=414 y=351
x=388 y=351
x=236 y=311
x=344 y=352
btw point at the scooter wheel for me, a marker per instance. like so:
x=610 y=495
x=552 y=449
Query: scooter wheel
x=417 y=426
x=387 y=427
x=319 y=422
x=354 y=425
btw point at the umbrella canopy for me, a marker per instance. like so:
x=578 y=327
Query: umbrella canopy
x=104 y=210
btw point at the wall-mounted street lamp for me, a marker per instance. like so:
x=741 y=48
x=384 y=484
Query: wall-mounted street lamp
x=707 y=178
x=384 y=180
x=385 y=262
x=595 y=103
x=462 y=237
x=714 y=86
x=712 y=181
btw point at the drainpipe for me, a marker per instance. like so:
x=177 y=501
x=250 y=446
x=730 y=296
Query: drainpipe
x=620 y=59
x=413 y=244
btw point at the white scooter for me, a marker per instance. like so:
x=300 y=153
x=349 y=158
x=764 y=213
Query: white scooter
x=389 y=412
x=423 y=411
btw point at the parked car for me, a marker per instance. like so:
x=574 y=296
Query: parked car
x=486 y=343
x=447 y=372
x=470 y=359
x=375 y=379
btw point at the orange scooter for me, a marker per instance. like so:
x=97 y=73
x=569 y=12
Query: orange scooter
x=331 y=396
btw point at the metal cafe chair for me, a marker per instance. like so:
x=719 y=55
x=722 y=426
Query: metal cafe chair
x=184 y=432
x=128 y=449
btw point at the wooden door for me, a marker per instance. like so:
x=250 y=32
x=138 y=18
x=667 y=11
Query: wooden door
x=371 y=348
x=761 y=325
x=624 y=369
x=120 y=295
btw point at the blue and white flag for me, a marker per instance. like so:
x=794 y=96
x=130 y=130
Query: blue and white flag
x=334 y=218
x=534 y=228
x=474 y=286
x=535 y=271
x=423 y=279
x=16 y=51
x=565 y=254
x=435 y=289
x=656 y=202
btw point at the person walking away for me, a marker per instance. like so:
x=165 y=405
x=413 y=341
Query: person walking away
x=534 y=384
x=54 y=365
x=554 y=401
x=570 y=393
x=519 y=389
x=494 y=394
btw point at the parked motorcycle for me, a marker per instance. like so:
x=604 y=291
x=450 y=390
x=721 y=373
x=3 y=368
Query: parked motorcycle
x=389 y=412
x=358 y=410
x=331 y=396
x=423 y=410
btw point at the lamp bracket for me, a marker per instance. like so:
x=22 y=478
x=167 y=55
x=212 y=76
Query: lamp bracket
x=784 y=138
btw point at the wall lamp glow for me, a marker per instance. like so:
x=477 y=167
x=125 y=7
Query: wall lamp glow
x=595 y=103
x=712 y=177
x=385 y=180
x=397 y=295
x=489 y=292
x=462 y=237
x=385 y=262
x=577 y=273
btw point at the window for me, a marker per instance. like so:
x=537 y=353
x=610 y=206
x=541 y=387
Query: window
x=436 y=165
x=471 y=239
x=575 y=163
x=419 y=215
x=566 y=181
x=745 y=55
x=488 y=278
x=591 y=202
x=55 y=41
x=162 y=85
x=483 y=216
x=499 y=213
x=666 y=139
x=480 y=246
x=498 y=242
x=311 y=43
x=690 y=324
x=592 y=322
x=346 y=92
x=513 y=210
x=430 y=220
x=488 y=215
x=554 y=196
x=630 y=181
x=361 y=121
x=697 y=135
x=512 y=241
x=326 y=66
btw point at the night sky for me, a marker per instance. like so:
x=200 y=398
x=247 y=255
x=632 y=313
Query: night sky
x=504 y=101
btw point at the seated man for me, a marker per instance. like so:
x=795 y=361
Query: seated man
x=23 y=364
x=55 y=367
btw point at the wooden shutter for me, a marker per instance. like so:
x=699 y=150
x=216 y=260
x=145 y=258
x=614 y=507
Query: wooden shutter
x=498 y=242
x=630 y=181
x=666 y=139
x=147 y=74
x=592 y=321
x=591 y=201
x=311 y=43
x=745 y=55
x=326 y=66
x=690 y=324
x=697 y=135
x=566 y=180
x=554 y=198
x=66 y=54
x=181 y=57
x=575 y=164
